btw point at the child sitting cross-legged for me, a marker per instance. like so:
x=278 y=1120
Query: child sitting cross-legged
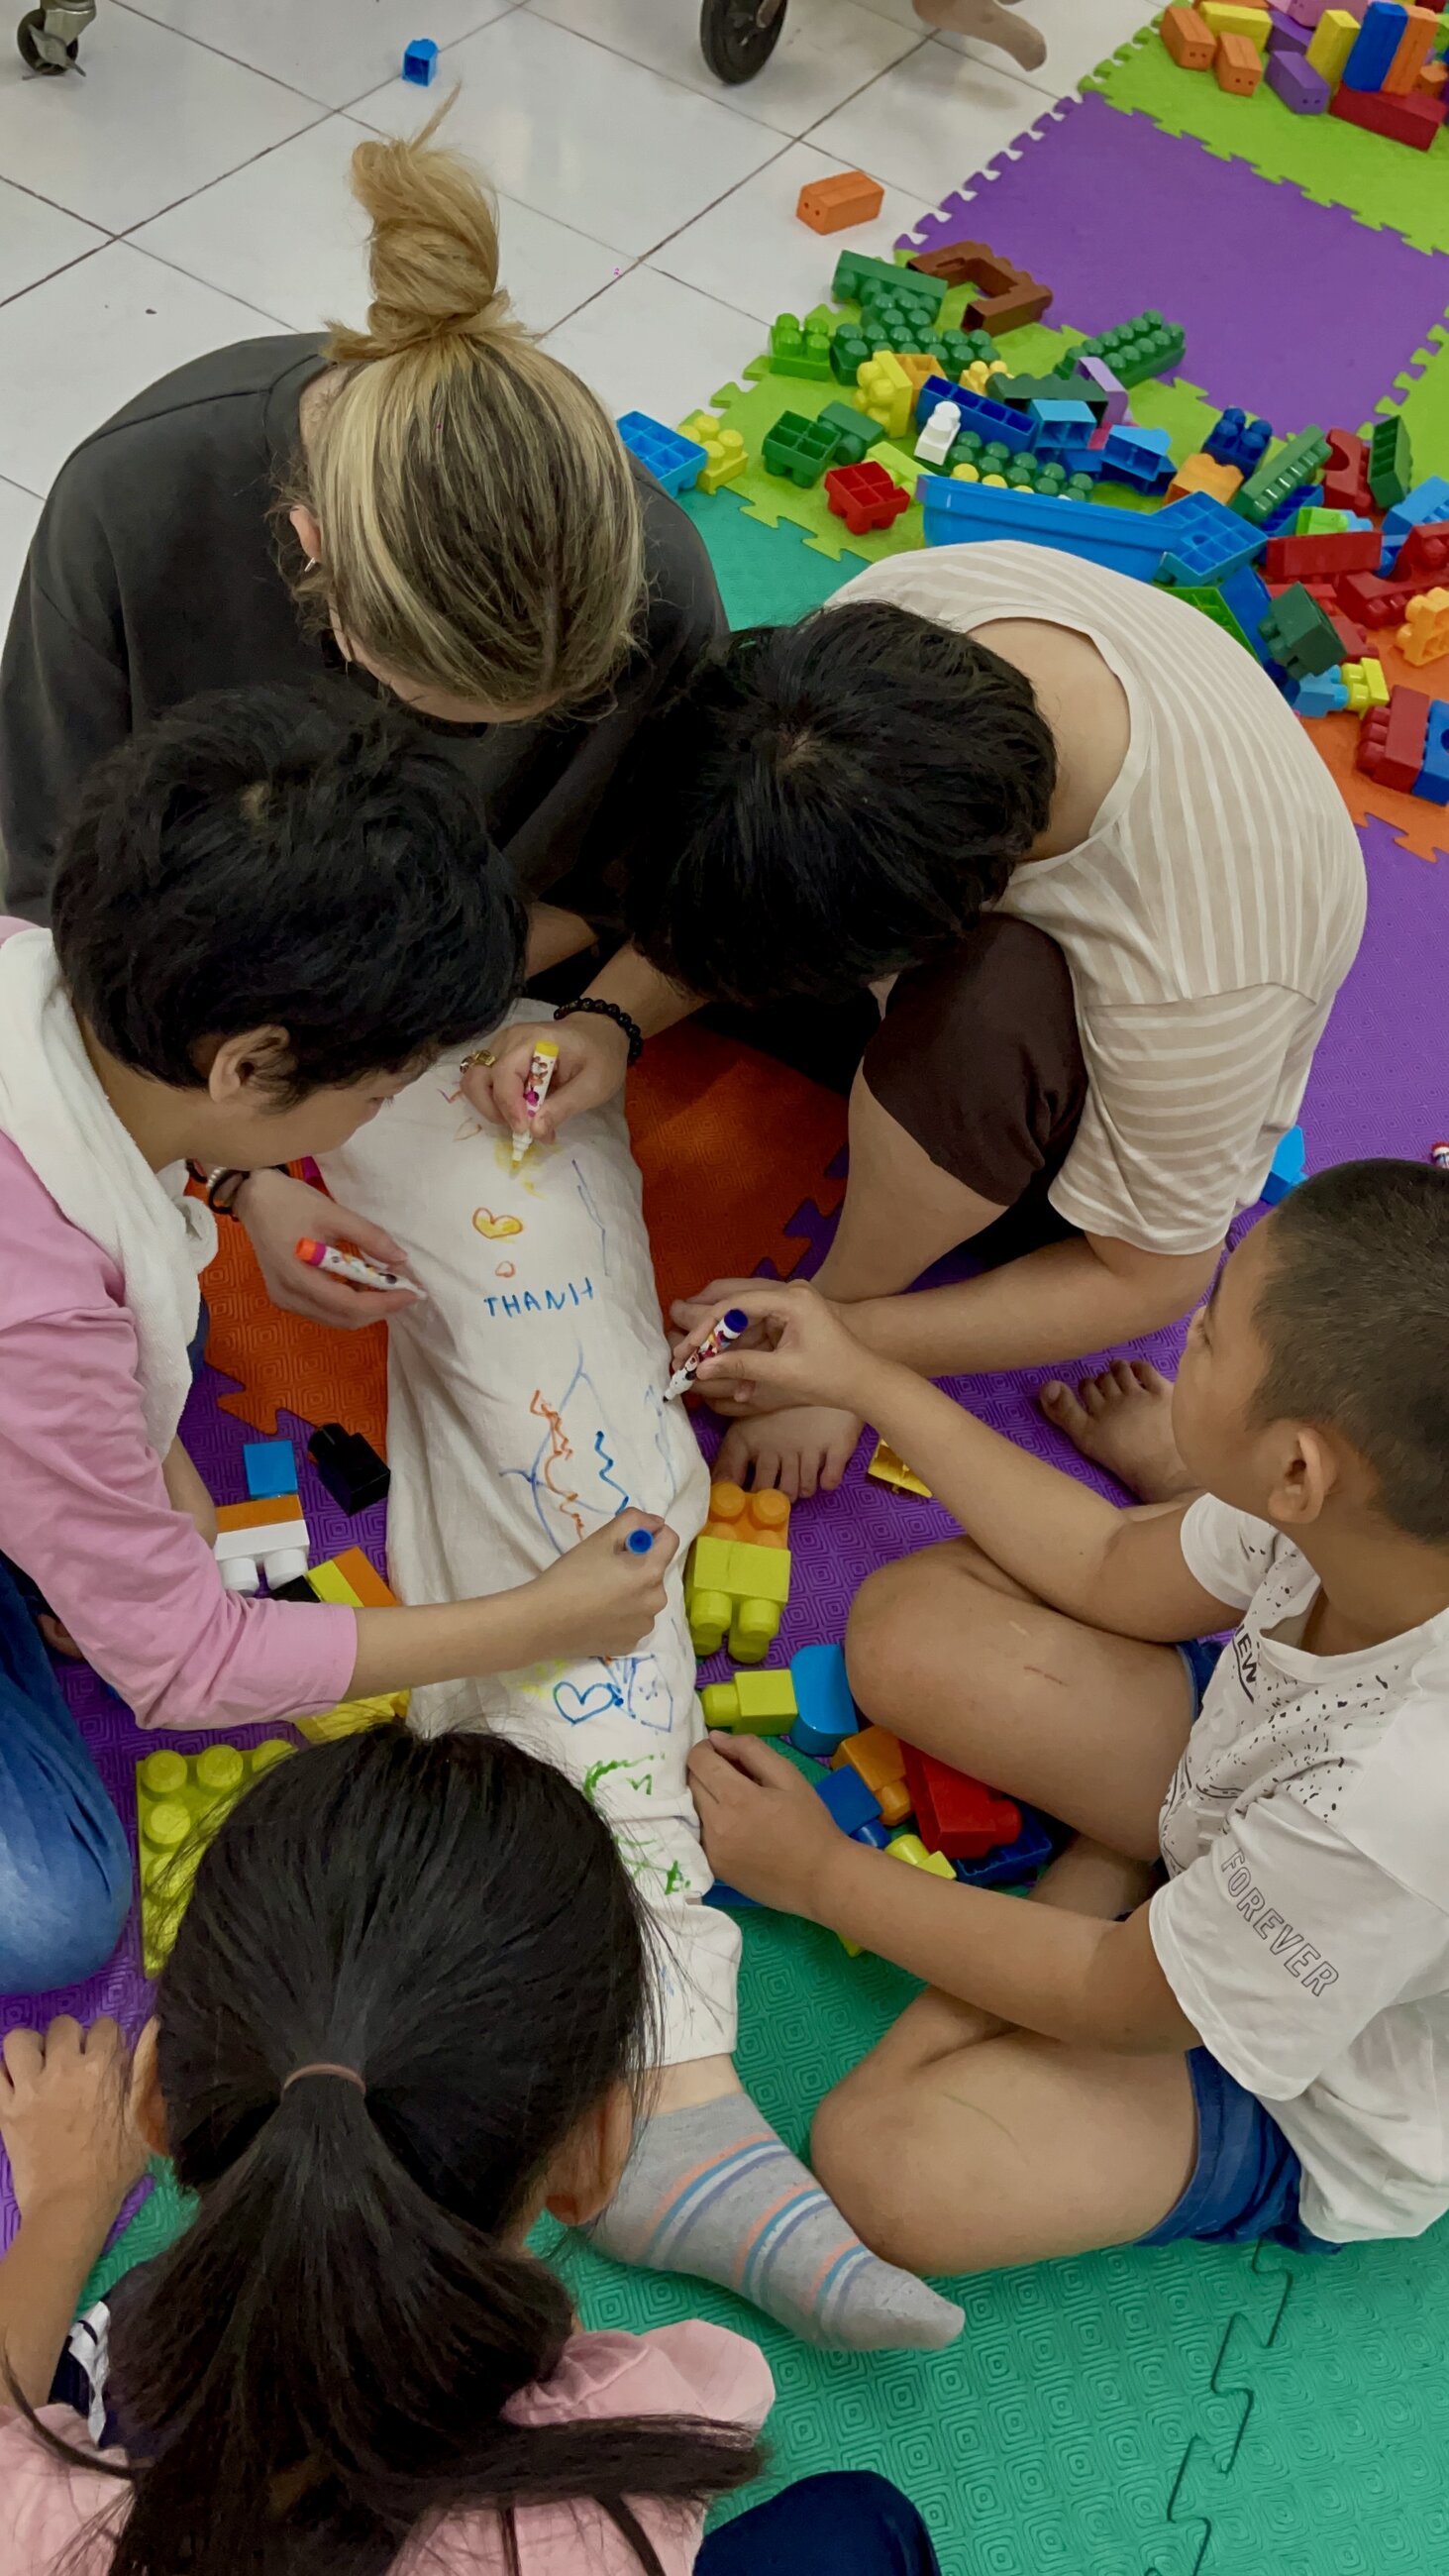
x=406 y=2011
x=1259 y=2044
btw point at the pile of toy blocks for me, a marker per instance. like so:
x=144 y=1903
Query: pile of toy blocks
x=878 y=1790
x=1386 y=75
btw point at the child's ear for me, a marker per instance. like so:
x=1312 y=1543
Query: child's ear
x=1306 y=1475
x=584 y=2175
x=146 y=2106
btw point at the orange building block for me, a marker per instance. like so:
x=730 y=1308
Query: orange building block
x=1424 y=635
x=1239 y=66
x=1189 y=39
x=1432 y=79
x=828 y=205
x=1203 y=473
x=760 y=1519
x=876 y=1755
x=1415 y=46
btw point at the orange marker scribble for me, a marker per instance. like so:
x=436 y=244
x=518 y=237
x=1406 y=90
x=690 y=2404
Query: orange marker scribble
x=505 y=1270
x=561 y=1449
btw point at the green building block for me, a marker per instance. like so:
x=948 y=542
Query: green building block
x=856 y=433
x=1314 y=522
x=799 y=351
x=736 y=1592
x=848 y=353
x=854 y=273
x=958 y=350
x=901 y=468
x=1300 y=635
x=1212 y=604
x=181 y=1799
x=1024 y=390
x=799 y=449
x=1390 y=463
x=1281 y=473
x=752 y=1704
x=1145 y=346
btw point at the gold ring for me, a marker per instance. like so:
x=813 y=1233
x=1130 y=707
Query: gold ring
x=480 y=1055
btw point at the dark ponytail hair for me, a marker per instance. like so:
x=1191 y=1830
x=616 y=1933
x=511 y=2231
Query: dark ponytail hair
x=322 y=2362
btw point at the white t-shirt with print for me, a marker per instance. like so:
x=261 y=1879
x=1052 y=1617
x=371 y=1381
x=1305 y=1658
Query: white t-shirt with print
x=1305 y=1927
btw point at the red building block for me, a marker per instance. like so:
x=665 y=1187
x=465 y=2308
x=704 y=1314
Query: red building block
x=1391 y=743
x=1414 y=120
x=1345 y=476
x=1188 y=38
x=954 y=1813
x=1374 y=601
x=864 y=497
x=1424 y=554
x=1321 y=558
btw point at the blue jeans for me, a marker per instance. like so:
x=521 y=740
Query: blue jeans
x=65 y=1867
x=851 y=2523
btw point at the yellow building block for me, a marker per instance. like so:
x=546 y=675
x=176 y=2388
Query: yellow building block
x=1203 y=473
x=726 y=455
x=181 y=1799
x=977 y=377
x=901 y=468
x=354 y=1716
x=885 y=393
x=752 y=1704
x=735 y=1592
x=1366 y=686
x=1334 y=39
x=352 y=1580
x=1233 y=18
x=1424 y=635
x=888 y=1469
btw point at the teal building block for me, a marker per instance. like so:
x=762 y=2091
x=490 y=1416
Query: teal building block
x=1289 y=1167
x=827 y=1711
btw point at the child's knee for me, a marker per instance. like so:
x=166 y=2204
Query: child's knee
x=65 y=1920
x=855 y=2152
x=879 y=1615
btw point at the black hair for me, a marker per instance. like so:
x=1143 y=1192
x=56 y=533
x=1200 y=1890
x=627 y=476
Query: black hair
x=322 y=2362
x=278 y=857
x=1354 y=1313
x=831 y=801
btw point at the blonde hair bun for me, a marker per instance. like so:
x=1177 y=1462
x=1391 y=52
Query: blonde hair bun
x=433 y=255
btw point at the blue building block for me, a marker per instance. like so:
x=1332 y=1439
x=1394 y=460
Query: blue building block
x=728 y=1899
x=1324 y=694
x=1433 y=778
x=1080 y=460
x=963 y=514
x=1246 y=594
x=270 y=1467
x=1236 y=440
x=1375 y=45
x=822 y=1696
x=1011 y=1864
x=1138 y=456
x=1289 y=1167
x=1202 y=542
x=991 y=420
x=1280 y=521
x=1060 y=424
x=1427 y=503
x=873 y=1833
x=420 y=62
x=673 y=460
x=850 y=1802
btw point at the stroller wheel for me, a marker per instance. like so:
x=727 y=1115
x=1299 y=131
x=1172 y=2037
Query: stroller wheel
x=737 y=37
x=31 y=38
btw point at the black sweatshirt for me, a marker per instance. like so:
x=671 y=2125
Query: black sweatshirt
x=153 y=574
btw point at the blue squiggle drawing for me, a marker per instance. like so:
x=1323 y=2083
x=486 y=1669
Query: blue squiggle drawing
x=592 y=1213
x=633 y=1687
x=569 y=1492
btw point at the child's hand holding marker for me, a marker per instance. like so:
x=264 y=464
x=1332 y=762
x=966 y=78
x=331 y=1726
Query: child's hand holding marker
x=807 y=1355
x=543 y=1064
x=590 y=1057
x=354 y=1267
x=728 y=1329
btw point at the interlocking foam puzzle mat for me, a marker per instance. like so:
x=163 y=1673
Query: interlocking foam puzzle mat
x=1194 y=2412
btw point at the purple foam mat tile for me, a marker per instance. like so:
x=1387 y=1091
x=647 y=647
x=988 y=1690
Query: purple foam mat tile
x=1291 y=308
x=1380 y=1079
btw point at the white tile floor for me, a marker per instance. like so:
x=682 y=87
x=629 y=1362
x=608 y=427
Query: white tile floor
x=191 y=189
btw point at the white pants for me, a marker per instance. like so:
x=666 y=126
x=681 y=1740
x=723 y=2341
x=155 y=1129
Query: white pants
x=525 y=1408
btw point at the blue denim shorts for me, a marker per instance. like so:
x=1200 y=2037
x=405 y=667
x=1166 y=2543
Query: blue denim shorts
x=1245 y=2182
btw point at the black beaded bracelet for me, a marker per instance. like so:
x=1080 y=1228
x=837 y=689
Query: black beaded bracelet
x=608 y=1011
x=229 y=1181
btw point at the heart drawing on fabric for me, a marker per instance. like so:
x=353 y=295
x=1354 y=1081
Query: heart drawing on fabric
x=496 y=1227
x=577 y=1706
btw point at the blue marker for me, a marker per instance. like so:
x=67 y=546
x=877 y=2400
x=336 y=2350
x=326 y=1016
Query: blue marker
x=639 y=1542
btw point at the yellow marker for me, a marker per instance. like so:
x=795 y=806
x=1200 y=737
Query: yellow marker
x=535 y=1091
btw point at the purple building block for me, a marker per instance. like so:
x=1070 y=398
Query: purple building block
x=1287 y=36
x=1308 y=12
x=1292 y=78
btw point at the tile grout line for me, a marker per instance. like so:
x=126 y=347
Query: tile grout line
x=203 y=46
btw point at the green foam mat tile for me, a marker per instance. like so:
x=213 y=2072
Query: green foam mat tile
x=1422 y=398
x=1382 y=184
x=767 y=576
x=159 y=2220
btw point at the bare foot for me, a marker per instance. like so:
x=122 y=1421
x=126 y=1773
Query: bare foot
x=1122 y=1421
x=988 y=22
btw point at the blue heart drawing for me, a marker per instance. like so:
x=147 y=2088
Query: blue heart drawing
x=576 y=1706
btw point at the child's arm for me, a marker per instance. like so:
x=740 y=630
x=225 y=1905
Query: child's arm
x=600 y=1599
x=1036 y=1967
x=74 y=2154
x=1116 y=1569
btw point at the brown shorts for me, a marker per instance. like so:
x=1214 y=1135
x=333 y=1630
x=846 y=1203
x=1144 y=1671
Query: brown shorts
x=978 y=1058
